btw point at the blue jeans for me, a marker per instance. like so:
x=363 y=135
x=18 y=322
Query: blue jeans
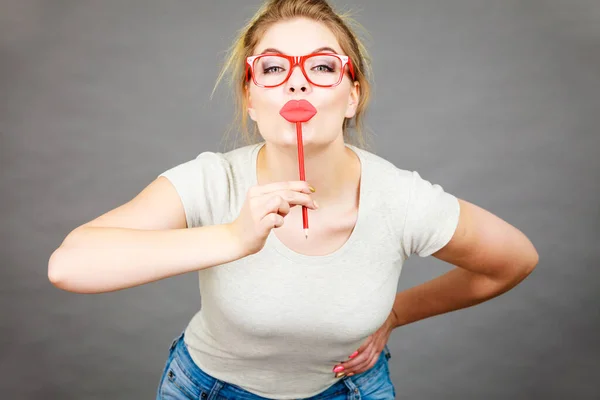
x=183 y=379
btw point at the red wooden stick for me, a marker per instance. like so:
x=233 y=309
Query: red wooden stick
x=299 y=111
x=302 y=174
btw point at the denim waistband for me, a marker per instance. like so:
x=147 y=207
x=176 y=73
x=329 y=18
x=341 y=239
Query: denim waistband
x=202 y=379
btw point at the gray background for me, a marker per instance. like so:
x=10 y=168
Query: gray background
x=498 y=101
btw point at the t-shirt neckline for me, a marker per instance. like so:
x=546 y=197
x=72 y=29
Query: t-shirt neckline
x=274 y=242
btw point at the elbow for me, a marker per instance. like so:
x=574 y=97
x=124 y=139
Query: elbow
x=528 y=260
x=56 y=265
x=514 y=273
x=526 y=268
x=535 y=260
x=531 y=260
x=531 y=264
x=58 y=273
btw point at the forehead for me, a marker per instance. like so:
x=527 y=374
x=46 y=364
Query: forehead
x=298 y=37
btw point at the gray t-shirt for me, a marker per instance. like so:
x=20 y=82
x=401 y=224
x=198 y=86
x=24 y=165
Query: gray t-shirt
x=276 y=322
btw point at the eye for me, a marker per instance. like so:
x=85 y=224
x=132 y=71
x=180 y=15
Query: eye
x=323 y=68
x=270 y=70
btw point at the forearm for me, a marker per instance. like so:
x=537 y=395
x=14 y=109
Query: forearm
x=99 y=259
x=454 y=290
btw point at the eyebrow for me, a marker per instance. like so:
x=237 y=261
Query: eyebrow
x=319 y=50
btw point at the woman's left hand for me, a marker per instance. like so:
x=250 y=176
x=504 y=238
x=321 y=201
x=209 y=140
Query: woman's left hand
x=367 y=355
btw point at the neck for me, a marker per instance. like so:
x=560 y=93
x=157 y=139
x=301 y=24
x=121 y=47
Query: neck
x=332 y=169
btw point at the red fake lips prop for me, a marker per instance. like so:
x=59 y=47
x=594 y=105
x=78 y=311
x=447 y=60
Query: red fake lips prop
x=298 y=111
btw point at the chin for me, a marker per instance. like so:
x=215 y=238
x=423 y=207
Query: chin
x=285 y=135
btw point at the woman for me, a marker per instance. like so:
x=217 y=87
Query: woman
x=285 y=316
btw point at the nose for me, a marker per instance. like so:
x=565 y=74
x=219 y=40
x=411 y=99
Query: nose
x=297 y=81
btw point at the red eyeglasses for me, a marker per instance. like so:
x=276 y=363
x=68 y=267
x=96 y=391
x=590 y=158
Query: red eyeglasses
x=320 y=69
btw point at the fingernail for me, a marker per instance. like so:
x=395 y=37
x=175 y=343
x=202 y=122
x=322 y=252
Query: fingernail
x=339 y=368
x=354 y=354
x=316 y=204
x=312 y=189
x=351 y=373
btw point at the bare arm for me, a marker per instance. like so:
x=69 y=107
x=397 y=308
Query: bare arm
x=103 y=259
x=142 y=241
x=491 y=257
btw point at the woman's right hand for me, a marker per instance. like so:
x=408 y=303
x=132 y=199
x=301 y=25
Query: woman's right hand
x=265 y=208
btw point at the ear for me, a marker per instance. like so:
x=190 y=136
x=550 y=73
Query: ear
x=251 y=111
x=353 y=100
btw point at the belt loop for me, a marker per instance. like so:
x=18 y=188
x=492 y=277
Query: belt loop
x=353 y=391
x=386 y=349
x=175 y=341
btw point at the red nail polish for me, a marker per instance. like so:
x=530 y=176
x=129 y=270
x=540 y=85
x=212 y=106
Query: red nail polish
x=338 y=369
x=354 y=354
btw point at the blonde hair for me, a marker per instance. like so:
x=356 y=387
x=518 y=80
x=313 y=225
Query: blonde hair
x=273 y=11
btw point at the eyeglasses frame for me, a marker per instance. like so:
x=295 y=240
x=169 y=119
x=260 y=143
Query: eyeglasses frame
x=298 y=60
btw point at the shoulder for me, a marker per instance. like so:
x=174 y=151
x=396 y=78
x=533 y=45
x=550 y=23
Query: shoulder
x=420 y=211
x=207 y=183
x=376 y=165
x=385 y=174
x=214 y=166
x=201 y=163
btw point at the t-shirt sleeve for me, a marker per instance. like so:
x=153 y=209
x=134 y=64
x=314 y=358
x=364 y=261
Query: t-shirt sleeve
x=203 y=187
x=431 y=218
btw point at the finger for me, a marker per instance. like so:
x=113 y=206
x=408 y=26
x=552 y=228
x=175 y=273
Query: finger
x=362 y=349
x=356 y=361
x=370 y=365
x=363 y=367
x=366 y=344
x=296 y=198
x=274 y=204
x=272 y=213
x=297 y=186
x=281 y=202
x=272 y=221
x=363 y=363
